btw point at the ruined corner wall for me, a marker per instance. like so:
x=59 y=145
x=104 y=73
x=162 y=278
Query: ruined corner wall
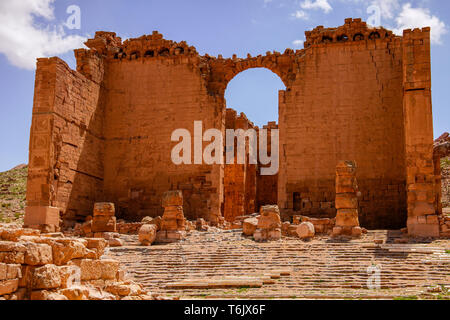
x=345 y=103
x=267 y=186
x=65 y=161
x=422 y=170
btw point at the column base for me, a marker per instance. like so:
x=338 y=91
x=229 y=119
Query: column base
x=42 y=218
x=169 y=236
x=424 y=226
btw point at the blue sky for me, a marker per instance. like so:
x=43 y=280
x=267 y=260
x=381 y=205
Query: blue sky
x=35 y=28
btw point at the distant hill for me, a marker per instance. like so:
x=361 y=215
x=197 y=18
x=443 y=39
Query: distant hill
x=13 y=185
x=445 y=165
x=442 y=149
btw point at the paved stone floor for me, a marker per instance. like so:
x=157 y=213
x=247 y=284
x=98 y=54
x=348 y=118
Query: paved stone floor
x=323 y=268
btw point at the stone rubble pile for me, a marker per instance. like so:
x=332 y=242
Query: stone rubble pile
x=35 y=266
x=103 y=224
x=444 y=222
x=201 y=225
x=130 y=228
x=264 y=227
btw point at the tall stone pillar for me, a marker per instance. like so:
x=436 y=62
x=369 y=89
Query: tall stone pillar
x=347 y=221
x=420 y=172
x=40 y=212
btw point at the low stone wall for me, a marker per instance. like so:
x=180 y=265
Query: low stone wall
x=35 y=266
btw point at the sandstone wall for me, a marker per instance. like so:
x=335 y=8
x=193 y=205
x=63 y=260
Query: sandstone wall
x=147 y=98
x=346 y=103
x=66 y=145
x=239 y=179
x=267 y=186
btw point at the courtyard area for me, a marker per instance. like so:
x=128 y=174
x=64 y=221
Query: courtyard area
x=222 y=264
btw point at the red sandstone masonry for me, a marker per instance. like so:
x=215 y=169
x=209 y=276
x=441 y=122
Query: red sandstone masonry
x=421 y=180
x=103 y=133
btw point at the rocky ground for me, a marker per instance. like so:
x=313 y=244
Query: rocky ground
x=13 y=185
x=220 y=264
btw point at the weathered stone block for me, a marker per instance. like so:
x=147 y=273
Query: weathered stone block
x=306 y=230
x=172 y=198
x=422 y=229
x=46 y=277
x=269 y=218
x=38 y=254
x=38 y=216
x=8 y=286
x=169 y=236
x=147 y=234
x=10 y=271
x=347 y=218
x=104 y=209
x=104 y=224
x=346 y=201
x=249 y=226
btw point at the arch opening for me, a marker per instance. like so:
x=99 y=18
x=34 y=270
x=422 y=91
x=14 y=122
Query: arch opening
x=255 y=92
x=252 y=102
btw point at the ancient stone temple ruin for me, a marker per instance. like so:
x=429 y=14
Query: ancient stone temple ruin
x=102 y=133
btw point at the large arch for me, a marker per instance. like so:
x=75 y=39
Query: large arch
x=245 y=189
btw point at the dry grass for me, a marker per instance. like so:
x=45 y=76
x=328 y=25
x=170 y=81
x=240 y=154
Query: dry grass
x=12 y=195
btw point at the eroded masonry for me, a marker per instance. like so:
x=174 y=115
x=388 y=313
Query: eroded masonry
x=102 y=133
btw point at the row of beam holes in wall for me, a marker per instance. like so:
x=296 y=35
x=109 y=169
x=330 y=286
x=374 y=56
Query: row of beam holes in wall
x=356 y=37
x=149 y=53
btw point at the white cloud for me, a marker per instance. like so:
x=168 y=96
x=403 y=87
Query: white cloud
x=398 y=15
x=298 y=43
x=300 y=14
x=410 y=18
x=22 y=40
x=316 y=5
x=387 y=7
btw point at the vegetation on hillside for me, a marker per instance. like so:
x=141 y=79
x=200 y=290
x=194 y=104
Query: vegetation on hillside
x=12 y=194
x=445 y=166
x=445 y=163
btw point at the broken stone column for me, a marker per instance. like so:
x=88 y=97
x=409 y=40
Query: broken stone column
x=173 y=222
x=104 y=219
x=347 y=222
x=269 y=224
